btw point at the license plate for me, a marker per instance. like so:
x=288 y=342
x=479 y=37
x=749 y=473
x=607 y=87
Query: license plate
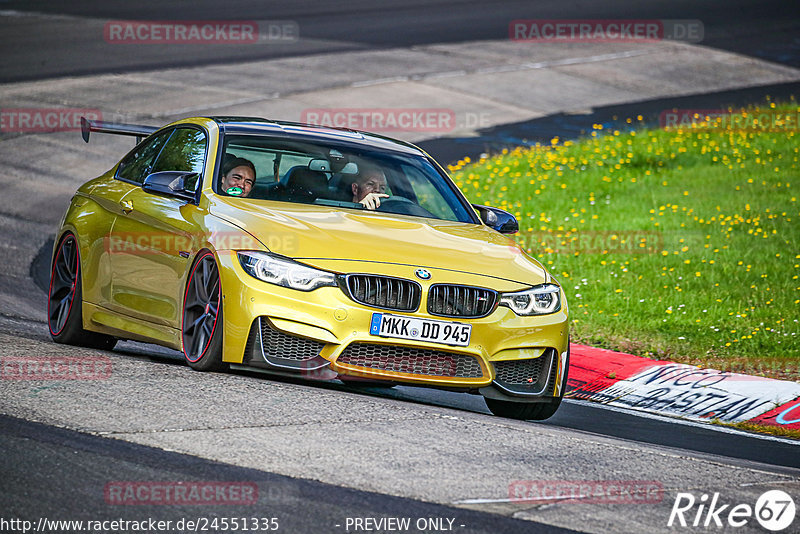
x=399 y=326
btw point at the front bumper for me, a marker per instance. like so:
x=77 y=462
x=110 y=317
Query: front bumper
x=323 y=333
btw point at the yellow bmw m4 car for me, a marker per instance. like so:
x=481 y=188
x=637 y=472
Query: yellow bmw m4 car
x=323 y=253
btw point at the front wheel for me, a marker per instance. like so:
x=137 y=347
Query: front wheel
x=202 y=316
x=524 y=411
x=65 y=300
x=530 y=411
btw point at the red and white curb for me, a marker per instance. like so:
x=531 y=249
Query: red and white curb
x=675 y=389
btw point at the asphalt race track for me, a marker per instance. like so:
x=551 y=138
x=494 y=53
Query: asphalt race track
x=54 y=38
x=299 y=505
x=321 y=455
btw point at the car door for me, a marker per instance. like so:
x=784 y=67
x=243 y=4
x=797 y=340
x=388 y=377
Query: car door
x=107 y=197
x=160 y=233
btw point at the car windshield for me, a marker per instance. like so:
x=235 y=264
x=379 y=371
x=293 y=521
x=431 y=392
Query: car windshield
x=338 y=176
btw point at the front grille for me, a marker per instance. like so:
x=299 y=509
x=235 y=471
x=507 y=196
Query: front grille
x=411 y=360
x=384 y=292
x=460 y=301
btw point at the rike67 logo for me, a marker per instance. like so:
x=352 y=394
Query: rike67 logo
x=774 y=510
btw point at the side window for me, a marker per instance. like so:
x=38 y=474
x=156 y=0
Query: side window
x=292 y=160
x=137 y=165
x=185 y=151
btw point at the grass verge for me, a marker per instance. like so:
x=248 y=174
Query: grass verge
x=676 y=243
x=762 y=429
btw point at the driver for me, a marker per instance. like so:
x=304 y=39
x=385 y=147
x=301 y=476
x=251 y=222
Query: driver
x=238 y=176
x=369 y=187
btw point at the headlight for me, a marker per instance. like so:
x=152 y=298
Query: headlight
x=538 y=300
x=284 y=272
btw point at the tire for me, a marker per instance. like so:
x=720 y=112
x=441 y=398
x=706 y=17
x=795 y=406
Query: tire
x=201 y=327
x=527 y=411
x=65 y=300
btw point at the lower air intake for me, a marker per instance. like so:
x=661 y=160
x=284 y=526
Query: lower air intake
x=527 y=376
x=282 y=346
x=519 y=372
x=411 y=360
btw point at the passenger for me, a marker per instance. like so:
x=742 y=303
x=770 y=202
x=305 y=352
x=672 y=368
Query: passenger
x=238 y=176
x=369 y=187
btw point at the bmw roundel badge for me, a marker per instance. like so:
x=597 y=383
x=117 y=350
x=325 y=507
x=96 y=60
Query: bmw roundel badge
x=422 y=274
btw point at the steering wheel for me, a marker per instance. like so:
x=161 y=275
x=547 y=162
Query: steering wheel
x=403 y=206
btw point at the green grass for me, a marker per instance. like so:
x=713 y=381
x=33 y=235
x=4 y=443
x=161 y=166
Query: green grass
x=762 y=429
x=704 y=267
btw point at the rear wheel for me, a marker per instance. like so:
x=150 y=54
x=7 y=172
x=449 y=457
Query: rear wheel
x=65 y=300
x=202 y=316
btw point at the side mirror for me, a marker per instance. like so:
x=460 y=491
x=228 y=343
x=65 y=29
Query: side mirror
x=172 y=184
x=500 y=220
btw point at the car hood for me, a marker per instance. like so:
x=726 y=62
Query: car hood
x=316 y=235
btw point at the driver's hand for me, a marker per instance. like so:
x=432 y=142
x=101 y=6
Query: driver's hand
x=373 y=200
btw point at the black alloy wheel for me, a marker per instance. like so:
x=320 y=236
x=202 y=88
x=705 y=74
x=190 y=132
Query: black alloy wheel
x=202 y=316
x=63 y=282
x=65 y=300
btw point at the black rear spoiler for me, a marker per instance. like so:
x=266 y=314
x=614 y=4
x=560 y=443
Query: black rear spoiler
x=136 y=130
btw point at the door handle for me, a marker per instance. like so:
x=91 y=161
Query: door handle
x=127 y=206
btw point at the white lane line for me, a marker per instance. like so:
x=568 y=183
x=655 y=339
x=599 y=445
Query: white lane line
x=523 y=501
x=685 y=422
x=378 y=81
x=589 y=59
x=436 y=75
x=13 y=13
